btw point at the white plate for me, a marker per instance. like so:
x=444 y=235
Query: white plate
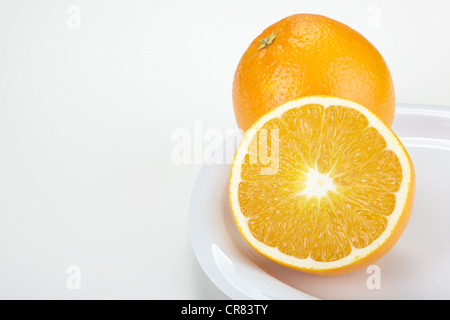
x=418 y=267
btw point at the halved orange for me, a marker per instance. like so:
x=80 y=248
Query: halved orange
x=322 y=185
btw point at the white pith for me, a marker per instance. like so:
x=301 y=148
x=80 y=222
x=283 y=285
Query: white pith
x=318 y=184
x=319 y=189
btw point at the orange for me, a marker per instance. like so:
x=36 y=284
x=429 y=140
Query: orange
x=307 y=54
x=322 y=185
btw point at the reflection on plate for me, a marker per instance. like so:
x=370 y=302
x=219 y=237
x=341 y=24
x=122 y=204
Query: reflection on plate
x=418 y=267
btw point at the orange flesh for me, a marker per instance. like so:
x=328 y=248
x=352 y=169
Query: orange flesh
x=335 y=183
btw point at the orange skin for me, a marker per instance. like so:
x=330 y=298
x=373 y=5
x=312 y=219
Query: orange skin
x=311 y=55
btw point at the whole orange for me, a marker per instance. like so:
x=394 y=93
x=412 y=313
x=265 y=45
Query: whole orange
x=308 y=54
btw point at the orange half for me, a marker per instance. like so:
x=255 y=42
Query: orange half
x=322 y=185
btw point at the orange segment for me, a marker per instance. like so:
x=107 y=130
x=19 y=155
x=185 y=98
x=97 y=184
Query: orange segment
x=322 y=185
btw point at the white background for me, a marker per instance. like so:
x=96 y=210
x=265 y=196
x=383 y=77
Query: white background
x=87 y=117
